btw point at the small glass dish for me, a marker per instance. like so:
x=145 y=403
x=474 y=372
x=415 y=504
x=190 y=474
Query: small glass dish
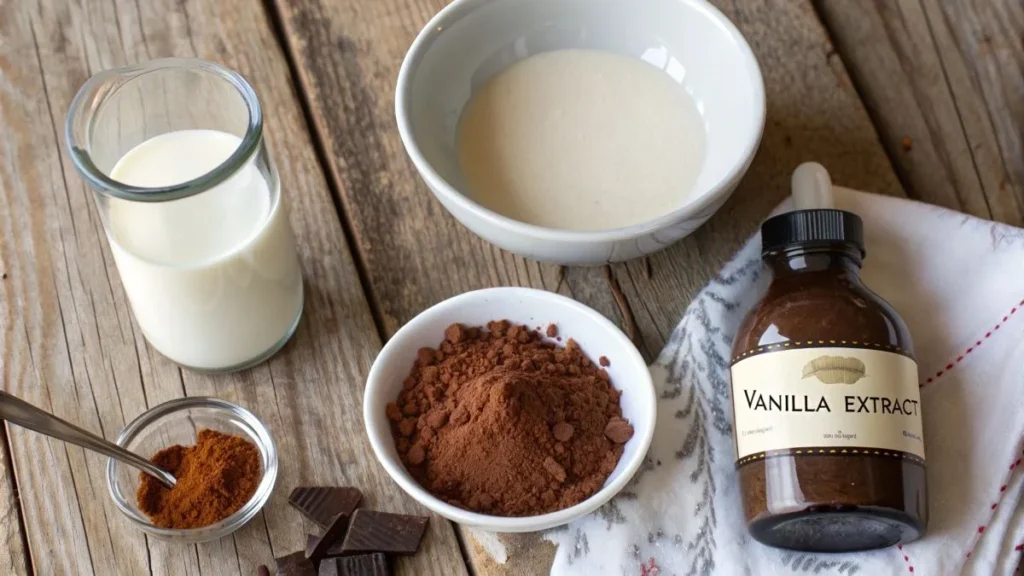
x=178 y=422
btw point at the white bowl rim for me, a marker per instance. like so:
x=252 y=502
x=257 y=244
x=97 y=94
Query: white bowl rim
x=403 y=101
x=396 y=470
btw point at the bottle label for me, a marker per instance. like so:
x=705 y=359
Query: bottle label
x=794 y=399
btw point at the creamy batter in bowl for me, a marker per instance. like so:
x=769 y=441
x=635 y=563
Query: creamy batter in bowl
x=472 y=41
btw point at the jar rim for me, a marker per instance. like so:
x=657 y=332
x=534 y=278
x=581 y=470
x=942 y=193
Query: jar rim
x=104 y=184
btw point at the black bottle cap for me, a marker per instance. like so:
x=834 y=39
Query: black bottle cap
x=803 y=227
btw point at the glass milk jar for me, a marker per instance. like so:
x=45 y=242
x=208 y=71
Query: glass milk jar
x=191 y=204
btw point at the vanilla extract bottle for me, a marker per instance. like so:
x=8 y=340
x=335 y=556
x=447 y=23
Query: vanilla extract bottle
x=830 y=453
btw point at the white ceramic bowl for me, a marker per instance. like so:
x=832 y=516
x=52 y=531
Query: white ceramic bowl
x=597 y=337
x=470 y=41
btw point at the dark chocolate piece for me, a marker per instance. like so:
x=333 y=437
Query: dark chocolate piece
x=333 y=550
x=322 y=503
x=295 y=564
x=362 y=565
x=331 y=536
x=382 y=532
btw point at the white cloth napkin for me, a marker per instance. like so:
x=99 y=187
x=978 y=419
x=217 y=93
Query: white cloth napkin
x=959 y=283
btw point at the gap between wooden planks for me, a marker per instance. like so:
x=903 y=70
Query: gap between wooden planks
x=346 y=55
x=68 y=343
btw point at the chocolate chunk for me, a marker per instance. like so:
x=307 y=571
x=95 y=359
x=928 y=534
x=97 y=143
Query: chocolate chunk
x=552 y=331
x=262 y=571
x=362 y=565
x=295 y=564
x=333 y=550
x=604 y=361
x=382 y=532
x=618 y=431
x=322 y=503
x=329 y=539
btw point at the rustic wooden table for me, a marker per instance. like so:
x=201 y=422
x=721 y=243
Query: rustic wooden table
x=923 y=98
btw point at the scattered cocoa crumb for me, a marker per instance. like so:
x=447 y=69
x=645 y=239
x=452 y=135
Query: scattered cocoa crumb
x=604 y=361
x=907 y=144
x=407 y=427
x=416 y=454
x=562 y=431
x=394 y=412
x=555 y=469
x=618 y=431
x=455 y=333
x=552 y=331
x=424 y=357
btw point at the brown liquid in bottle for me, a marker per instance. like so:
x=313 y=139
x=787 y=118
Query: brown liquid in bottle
x=819 y=333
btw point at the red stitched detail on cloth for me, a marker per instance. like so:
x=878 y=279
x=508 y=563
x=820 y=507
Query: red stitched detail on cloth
x=961 y=357
x=649 y=568
x=910 y=567
x=981 y=529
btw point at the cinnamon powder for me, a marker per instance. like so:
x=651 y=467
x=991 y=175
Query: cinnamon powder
x=215 y=478
x=502 y=422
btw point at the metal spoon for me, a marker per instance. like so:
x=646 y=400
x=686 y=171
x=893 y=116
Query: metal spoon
x=17 y=411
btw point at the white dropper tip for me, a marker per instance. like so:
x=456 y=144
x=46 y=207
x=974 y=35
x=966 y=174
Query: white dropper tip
x=811 y=187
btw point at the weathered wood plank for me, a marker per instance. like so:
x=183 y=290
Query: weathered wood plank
x=67 y=340
x=347 y=54
x=12 y=533
x=61 y=489
x=944 y=81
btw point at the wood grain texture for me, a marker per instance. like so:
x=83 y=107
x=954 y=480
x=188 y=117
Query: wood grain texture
x=347 y=54
x=12 y=532
x=944 y=81
x=68 y=342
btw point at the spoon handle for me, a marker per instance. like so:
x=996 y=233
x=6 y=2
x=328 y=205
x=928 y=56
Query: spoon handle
x=17 y=411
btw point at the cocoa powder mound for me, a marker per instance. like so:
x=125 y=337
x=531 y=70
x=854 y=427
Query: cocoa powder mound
x=503 y=422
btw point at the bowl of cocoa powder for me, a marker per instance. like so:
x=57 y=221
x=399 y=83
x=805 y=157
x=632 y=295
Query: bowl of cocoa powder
x=510 y=409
